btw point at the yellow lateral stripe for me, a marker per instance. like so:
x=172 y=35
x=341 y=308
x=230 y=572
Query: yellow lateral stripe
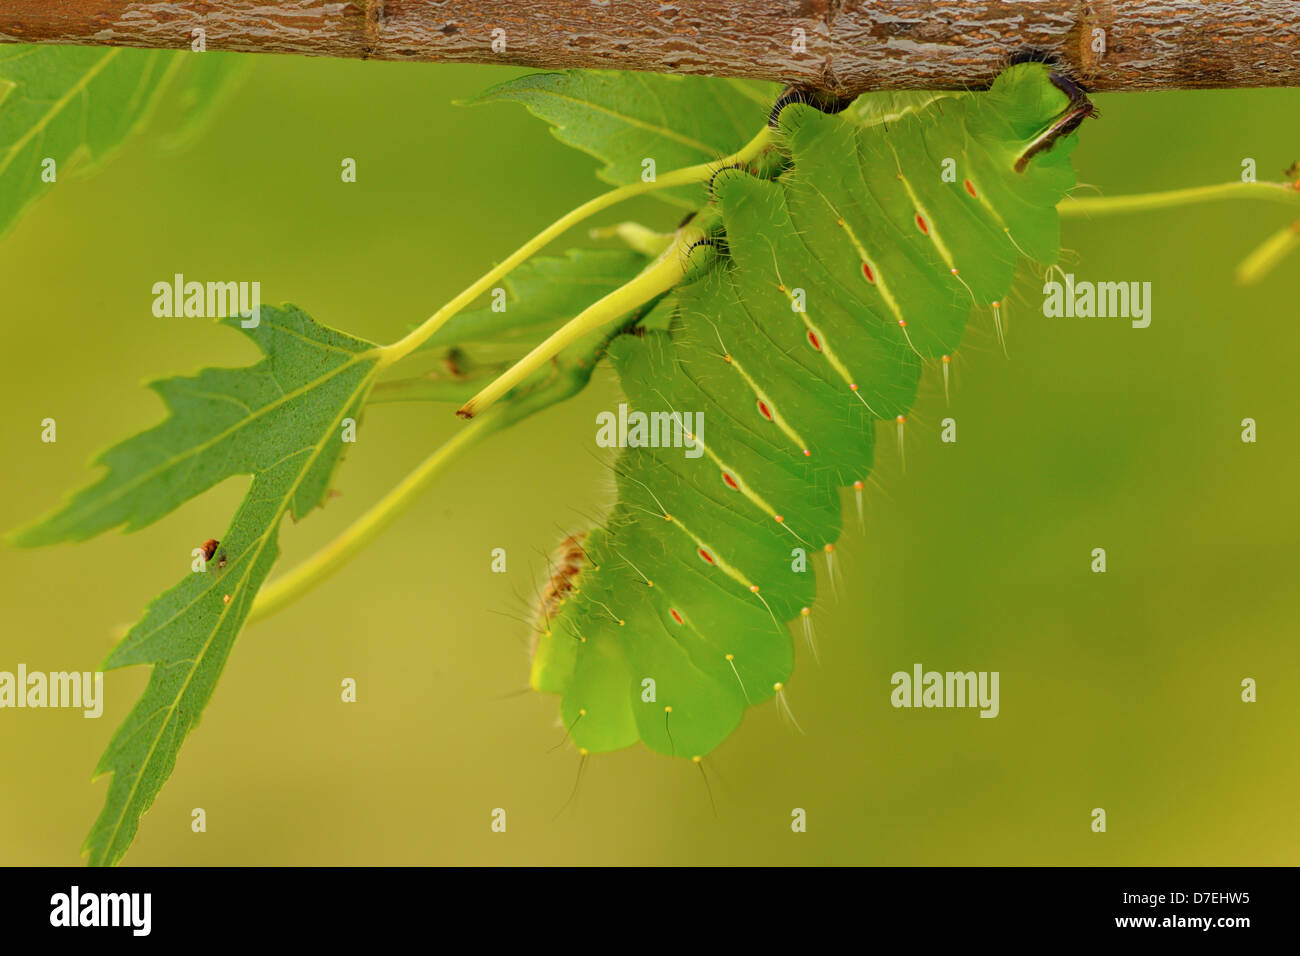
x=840 y=368
x=881 y=284
x=743 y=487
x=718 y=563
x=777 y=418
x=930 y=224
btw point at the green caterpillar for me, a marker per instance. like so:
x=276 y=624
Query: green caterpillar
x=817 y=297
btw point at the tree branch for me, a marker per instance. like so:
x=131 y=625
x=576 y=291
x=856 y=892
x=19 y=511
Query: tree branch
x=848 y=45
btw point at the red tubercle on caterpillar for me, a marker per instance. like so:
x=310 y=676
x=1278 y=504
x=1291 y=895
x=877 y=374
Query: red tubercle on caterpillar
x=921 y=224
x=730 y=482
x=676 y=617
x=814 y=341
x=970 y=188
x=765 y=411
x=868 y=274
x=705 y=556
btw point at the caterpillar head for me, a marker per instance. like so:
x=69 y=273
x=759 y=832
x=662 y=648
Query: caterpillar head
x=1041 y=106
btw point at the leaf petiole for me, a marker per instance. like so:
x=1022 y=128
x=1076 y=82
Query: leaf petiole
x=287 y=588
x=1251 y=269
x=680 y=177
x=656 y=279
x=1141 y=202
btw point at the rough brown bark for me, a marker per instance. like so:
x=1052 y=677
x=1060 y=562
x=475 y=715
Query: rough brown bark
x=851 y=45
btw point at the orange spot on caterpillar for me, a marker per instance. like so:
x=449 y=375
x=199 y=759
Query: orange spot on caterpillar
x=727 y=359
x=731 y=482
x=866 y=271
x=814 y=341
x=858 y=485
x=764 y=410
x=753 y=588
x=225 y=599
x=900 y=419
x=807 y=453
x=779 y=518
x=676 y=617
x=705 y=556
x=970 y=188
x=920 y=224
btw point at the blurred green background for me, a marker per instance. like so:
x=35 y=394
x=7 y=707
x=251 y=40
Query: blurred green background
x=1119 y=691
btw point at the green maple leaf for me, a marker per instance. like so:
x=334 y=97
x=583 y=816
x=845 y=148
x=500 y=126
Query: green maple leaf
x=625 y=118
x=77 y=105
x=279 y=421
